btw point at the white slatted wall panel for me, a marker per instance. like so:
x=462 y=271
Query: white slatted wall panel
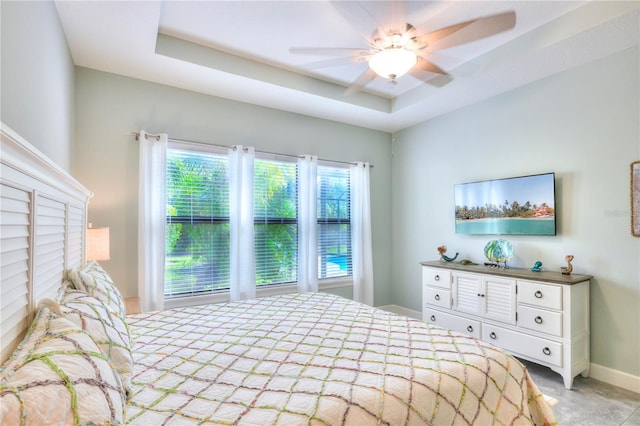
x=42 y=232
x=75 y=235
x=49 y=247
x=15 y=211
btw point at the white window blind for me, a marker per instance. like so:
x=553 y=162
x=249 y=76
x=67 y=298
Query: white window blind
x=334 y=222
x=276 y=223
x=197 y=237
x=197 y=219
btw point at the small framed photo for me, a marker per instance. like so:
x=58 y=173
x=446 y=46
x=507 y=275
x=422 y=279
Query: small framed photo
x=635 y=198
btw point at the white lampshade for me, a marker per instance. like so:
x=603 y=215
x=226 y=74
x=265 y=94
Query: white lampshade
x=392 y=62
x=97 y=243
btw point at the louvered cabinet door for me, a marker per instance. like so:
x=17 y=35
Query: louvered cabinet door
x=485 y=296
x=466 y=291
x=499 y=299
x=15 y=245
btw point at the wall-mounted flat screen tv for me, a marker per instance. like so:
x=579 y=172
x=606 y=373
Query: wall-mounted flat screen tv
x=523 y=205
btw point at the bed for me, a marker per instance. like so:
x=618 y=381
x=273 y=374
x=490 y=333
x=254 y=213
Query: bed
x=74 y=356
x=316 y=358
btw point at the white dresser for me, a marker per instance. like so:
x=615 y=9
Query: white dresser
x=539 y=316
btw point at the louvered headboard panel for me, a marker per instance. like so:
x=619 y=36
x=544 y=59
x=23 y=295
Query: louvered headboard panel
x=42 y=232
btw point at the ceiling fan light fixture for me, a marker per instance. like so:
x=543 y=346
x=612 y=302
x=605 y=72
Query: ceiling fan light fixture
x=392 y=62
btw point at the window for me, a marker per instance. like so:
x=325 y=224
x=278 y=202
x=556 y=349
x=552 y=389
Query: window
x=197 y=221
x=275 y=202
x=197 y=229
x=334 y=222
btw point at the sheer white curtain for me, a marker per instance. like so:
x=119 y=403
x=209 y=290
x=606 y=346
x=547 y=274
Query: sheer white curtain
x=361 y=245
x=307 y=224
x=242 y=261
x=151 y=220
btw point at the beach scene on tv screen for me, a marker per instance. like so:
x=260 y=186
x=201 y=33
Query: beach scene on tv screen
x=514 y=206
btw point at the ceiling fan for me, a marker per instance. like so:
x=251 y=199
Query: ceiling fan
x=393 y=52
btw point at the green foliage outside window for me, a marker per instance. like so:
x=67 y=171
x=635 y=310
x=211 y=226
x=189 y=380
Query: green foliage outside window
x=197 y=241
x=275 y=212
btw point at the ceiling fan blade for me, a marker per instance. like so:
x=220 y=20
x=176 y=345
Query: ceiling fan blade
x=437 y=80
x=329 y=51
x=469 y=31
x=334 y=62
x=437 y=35
x=384 y=17
x=357 y=15
x=398 y=17
x=364 y=79
x=425 y=65
x=430 y=73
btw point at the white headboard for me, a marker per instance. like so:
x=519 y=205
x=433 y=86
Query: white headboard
x=43 y=213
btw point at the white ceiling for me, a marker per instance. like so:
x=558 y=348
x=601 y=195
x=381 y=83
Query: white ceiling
x=240 y=50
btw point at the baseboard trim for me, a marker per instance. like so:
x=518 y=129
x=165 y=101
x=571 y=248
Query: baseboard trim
x=401 y=311
x=615 y=377
x=596 y=371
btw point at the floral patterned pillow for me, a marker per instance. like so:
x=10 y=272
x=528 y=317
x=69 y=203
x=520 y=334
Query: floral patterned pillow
x=58 y=375
x=104 y=325
x=95 y=281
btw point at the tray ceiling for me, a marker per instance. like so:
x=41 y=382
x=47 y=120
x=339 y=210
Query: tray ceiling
x=239 y=50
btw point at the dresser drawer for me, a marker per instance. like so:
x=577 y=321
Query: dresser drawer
x=541 y=320
x=438 y=297
x=539 y=294
x=436 y=277
x=452 y=322
x=533 y=347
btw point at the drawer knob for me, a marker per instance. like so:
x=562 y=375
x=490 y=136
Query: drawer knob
x=538 y=319
x=437 y=297
x=433 y=317
x=470 y=329
x=437 y=278
x=546 y=351
x=493 y=335
x=538 y=294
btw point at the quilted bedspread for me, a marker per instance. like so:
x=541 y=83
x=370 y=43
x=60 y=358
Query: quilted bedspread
x=319 y=359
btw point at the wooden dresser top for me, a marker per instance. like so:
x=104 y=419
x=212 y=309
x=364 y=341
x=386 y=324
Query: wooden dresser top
x=544 y=276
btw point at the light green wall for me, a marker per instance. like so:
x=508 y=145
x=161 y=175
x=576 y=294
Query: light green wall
x=37 y=78
x=583 y=125
x=110 y=107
